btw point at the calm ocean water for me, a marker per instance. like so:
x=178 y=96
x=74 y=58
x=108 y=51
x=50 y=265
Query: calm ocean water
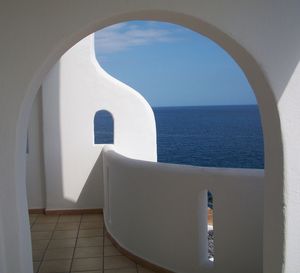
x=217 y=136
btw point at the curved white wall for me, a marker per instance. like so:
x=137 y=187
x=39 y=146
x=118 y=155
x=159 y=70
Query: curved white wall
x=74 y=90
x=263 y=37
x=166 y=214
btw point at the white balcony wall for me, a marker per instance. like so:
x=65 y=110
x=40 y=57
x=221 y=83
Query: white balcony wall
x=74 y=90
x=158 y=212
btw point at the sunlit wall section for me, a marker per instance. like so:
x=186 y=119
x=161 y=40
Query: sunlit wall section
x=75 y=89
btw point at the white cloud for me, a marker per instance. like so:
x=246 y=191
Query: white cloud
x=122 y=36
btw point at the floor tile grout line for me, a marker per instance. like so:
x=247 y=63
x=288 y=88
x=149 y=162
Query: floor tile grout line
x=32 y=222
x=104 y=234
x=53 y=234
x=81 y=215
x=44 y=254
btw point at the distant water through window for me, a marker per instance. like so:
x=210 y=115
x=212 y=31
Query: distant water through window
x=103 y=128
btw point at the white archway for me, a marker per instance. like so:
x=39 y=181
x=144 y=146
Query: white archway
x=94 y=15
x=267 y=106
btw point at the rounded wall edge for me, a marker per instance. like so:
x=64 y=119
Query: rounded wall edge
x=144 y=132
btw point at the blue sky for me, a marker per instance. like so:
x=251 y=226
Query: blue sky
x=171 y=65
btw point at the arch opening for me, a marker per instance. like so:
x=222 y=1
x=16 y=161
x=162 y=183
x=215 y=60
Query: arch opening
x=103 y=127
x=206 y=112
x=255 y=76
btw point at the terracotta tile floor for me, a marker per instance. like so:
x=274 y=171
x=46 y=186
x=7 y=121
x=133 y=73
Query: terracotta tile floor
x=75 y=243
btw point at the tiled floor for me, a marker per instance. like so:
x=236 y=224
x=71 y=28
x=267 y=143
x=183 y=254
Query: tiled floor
x=76 y=243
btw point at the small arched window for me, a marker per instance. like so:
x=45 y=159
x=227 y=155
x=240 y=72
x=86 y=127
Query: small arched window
x=103 y=127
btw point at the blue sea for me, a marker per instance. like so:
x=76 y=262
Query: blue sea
x=216 y=136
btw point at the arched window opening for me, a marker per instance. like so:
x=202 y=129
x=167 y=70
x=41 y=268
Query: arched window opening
x=103 y=128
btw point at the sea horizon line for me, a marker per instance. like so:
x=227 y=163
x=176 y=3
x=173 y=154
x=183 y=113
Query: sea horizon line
x=206 y=105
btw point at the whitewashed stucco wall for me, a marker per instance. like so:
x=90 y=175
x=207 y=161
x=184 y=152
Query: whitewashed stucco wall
x=35 y=176
x=168 y=212
x=74 y=90
x=262 y=36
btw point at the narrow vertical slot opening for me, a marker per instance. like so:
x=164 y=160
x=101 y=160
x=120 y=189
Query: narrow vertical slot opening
x=210 y=225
